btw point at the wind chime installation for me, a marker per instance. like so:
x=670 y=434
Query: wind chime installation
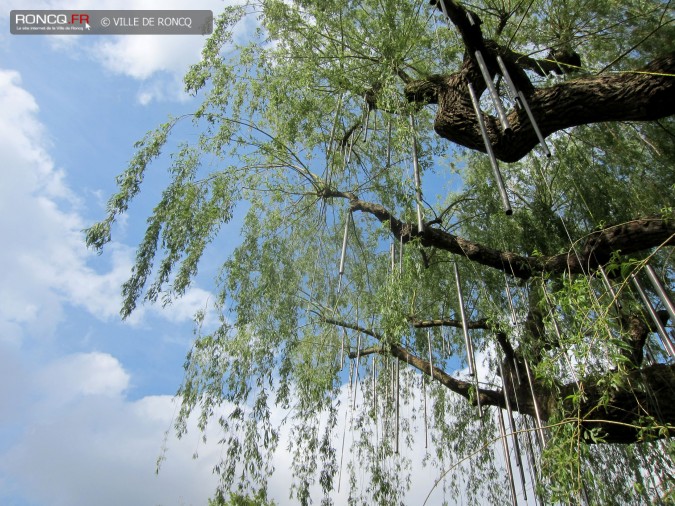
x=471 y=358
x=514 y=94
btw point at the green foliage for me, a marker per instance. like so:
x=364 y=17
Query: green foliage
x=281 y=152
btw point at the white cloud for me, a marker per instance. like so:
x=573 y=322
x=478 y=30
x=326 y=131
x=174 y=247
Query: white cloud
x=99 y=448
x=45 y=262
x=43 y=255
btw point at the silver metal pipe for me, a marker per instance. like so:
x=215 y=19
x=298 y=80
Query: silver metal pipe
x=510 y=86
x=471 y=359
x=398 y=403
x=515 y=322
x=342 y=348
x=426 y=427
x=488 y=148
x=356 y=365
x=389 y=142
x=521 y=101
x=535 y=126
x=540 y=429
x=431 y=362
x=661 y=292
x=501 y=113
x=507 y=457
x=343 y=254
x=512 y=424
x=665 y=340
x=416 y=174
x=335 y=122
x=610 y=288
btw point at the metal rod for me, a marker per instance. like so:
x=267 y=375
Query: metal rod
x=342 y=348
x=392 y=256
x=374 y=372
x=665 y=340
x=416 y=174
x=558 y=334
x=343 y=254
x=443 y=9
x=535 y=127
x=335 y=122
x=661 y=292
x=610 y=288
x=367 y=120
x=515 y=323
x=469 y=345
x=356 y=365
x=521 y=101
x=488 y=148
x=426 y=428
x=431 y=362
x=398 y=403
x=400 y=254
x=540 y=429
x=507 y=457
x=501 y=113
x=510 y=86
x=512 y=425
x=389 y=142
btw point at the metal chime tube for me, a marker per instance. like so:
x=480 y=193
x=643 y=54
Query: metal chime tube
x=366 y=121
x=442 y=4
x=416 y=174
x=392 y=256
x=610 y=288
x=488 y=147
x=356 y=365
x=342 y=348
x=512 y=424
x=519 y=99
x=398 y=403
x=661 y=291
x=389 y=142
x=515 y=321
x=426 y=431
x=529 y=449
x=558 y=334
x=335 y=122
x=400 y=254
x=507 y=457
x=374 y=366
x=526 y=106
x=469 y=345
x=665 y=340
x=343 y=254
x=510 y=86
x=501 y=113
x=540 y=429
x=431 y=362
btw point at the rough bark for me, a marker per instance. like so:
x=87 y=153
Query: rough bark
x=639 y=96
x=586 y=255
x=647 y=94
x=614 y=409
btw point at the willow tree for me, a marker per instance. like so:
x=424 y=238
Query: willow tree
x=345 y=134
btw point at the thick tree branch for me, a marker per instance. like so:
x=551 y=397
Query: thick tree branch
x=448 y=322
x=645 y=95
x=588 y=253
x=463 y=388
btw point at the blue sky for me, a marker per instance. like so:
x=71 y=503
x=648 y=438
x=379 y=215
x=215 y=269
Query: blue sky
x=85 y=399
